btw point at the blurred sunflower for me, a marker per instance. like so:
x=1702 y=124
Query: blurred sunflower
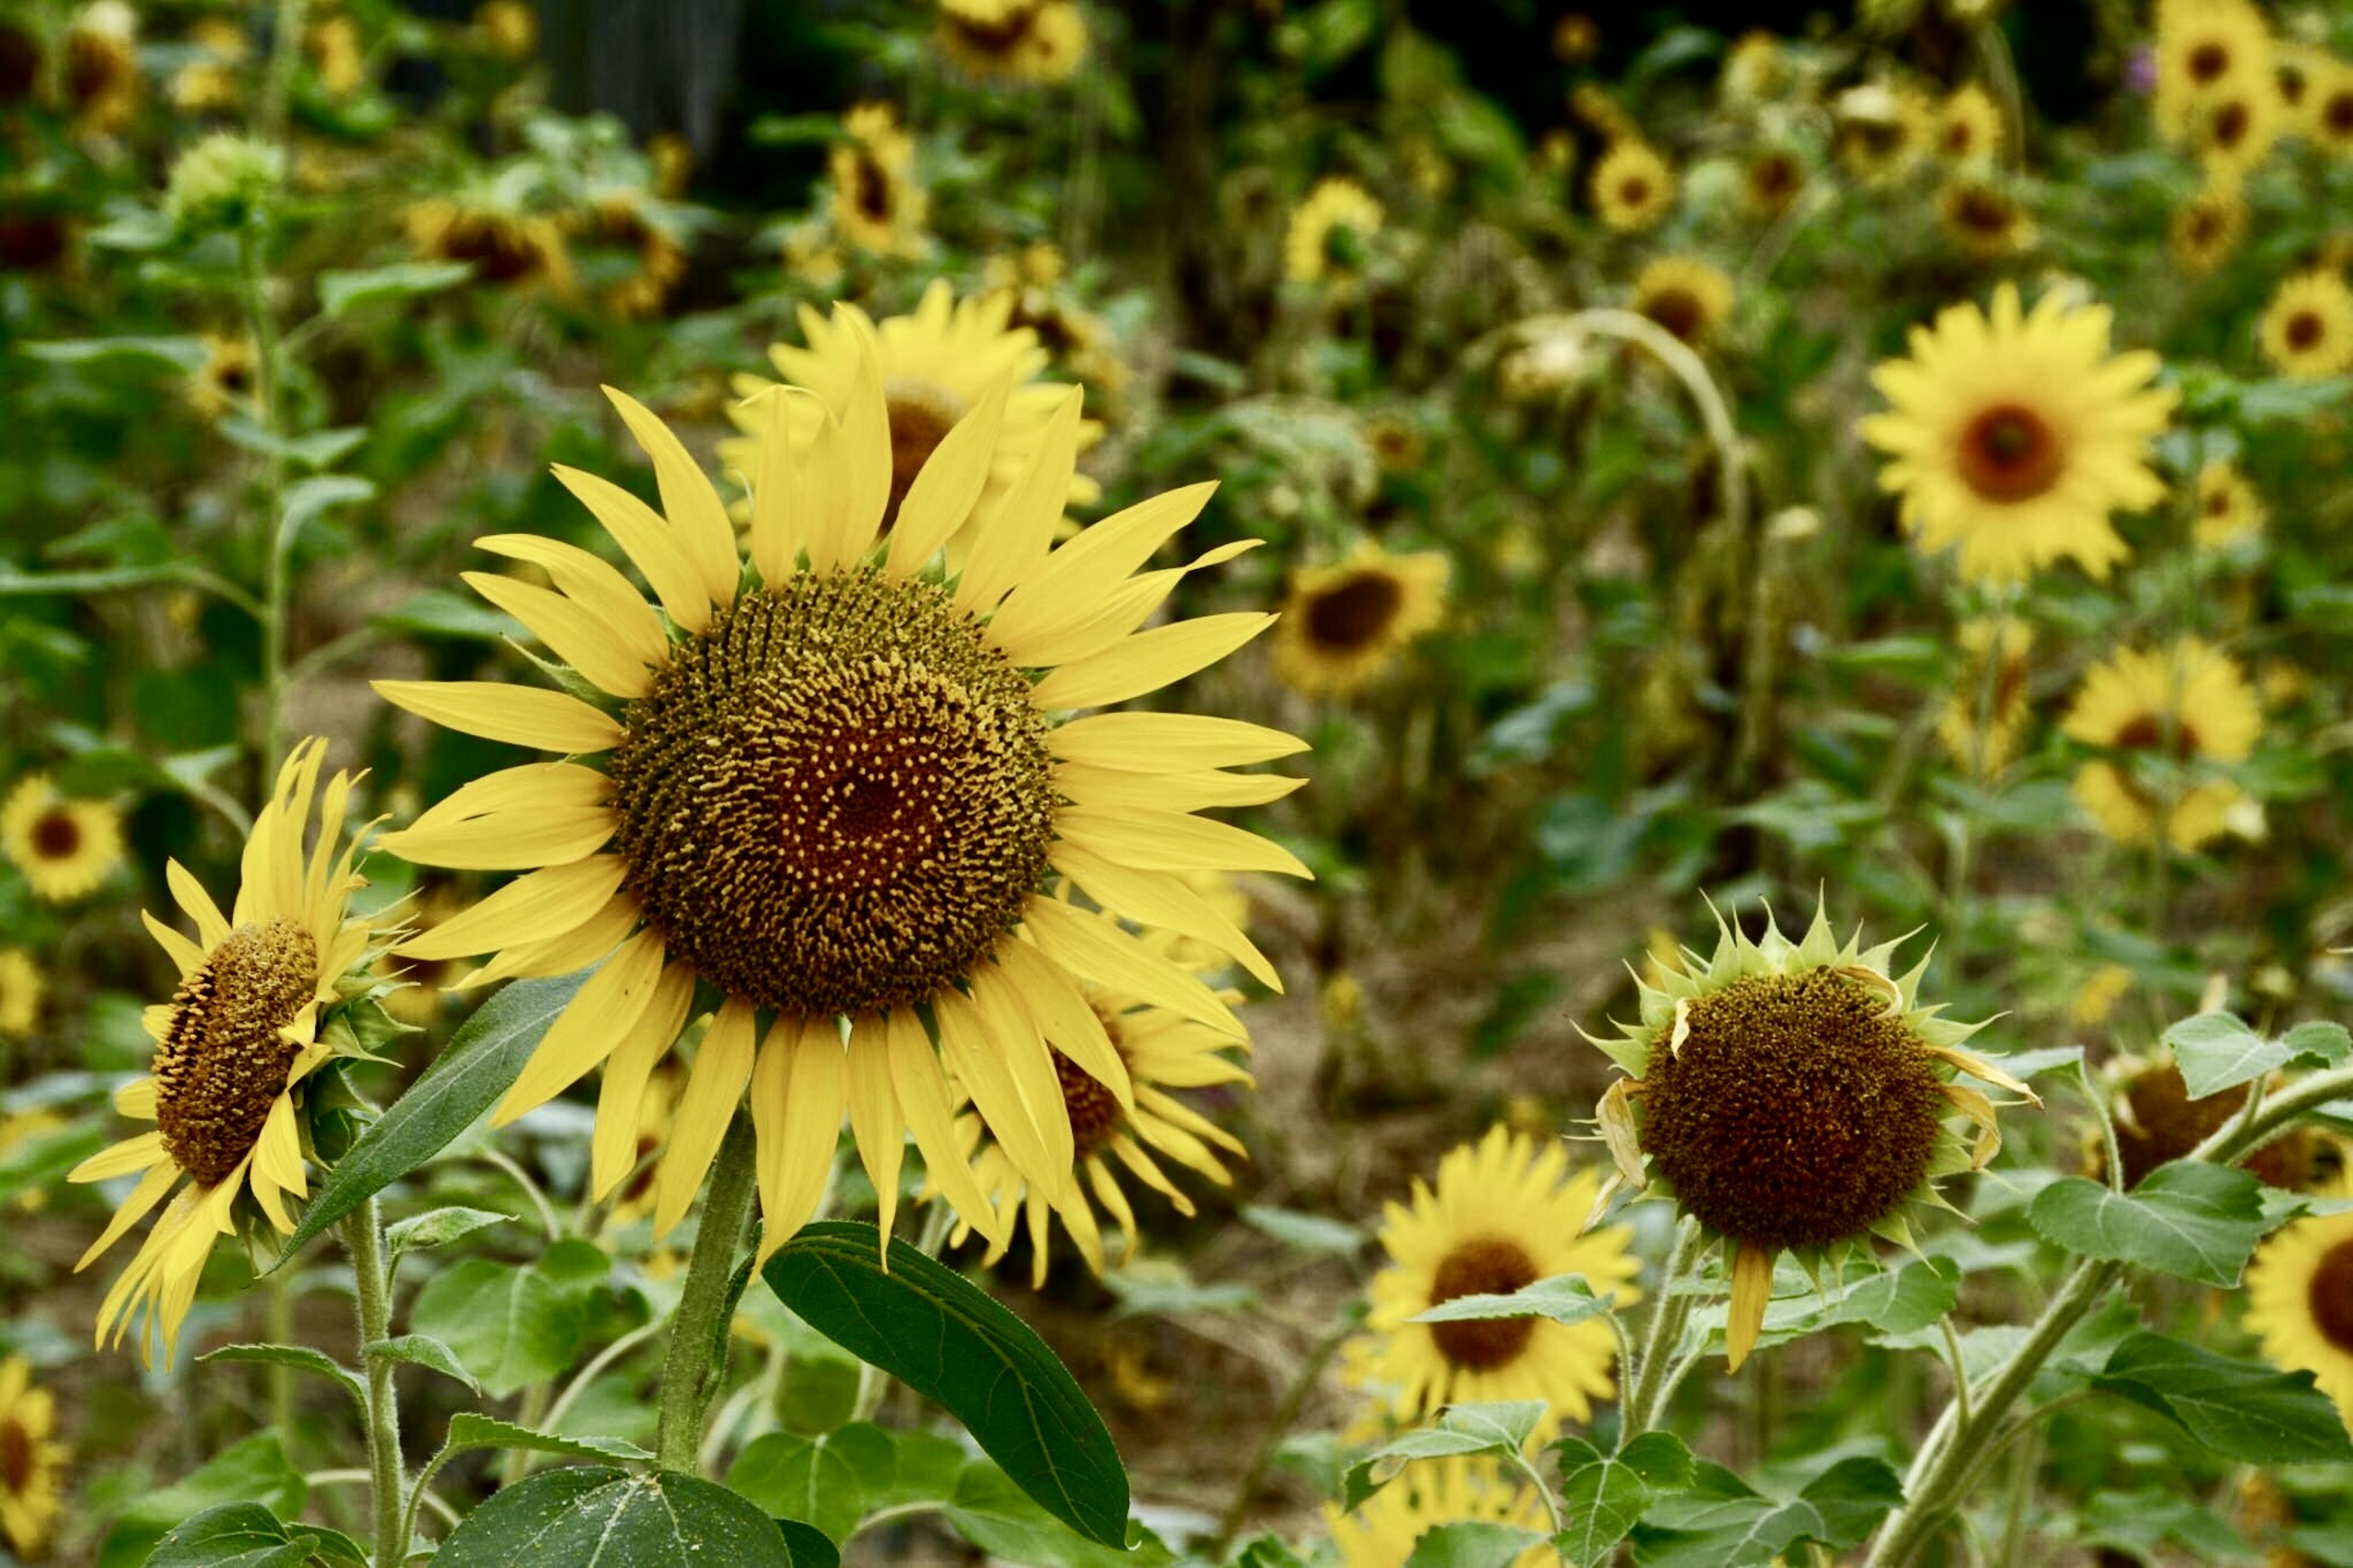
x=21 y=991
x=1795 y=1098
x=2014 y=436
x=1504 y=1213
x=2204 y=49
x=2006 y=640
x=32 y=1462
x=1384 y=1531
x=227 y=383
x=503 y=245
x=1882 y=131
x=1968 y=127
x=1754 y=67
x=65 y=846
x=1038 y=42
x=2206 y=230
x=1344 y=624
x=423 y=986
x=839 y=790
x=337 y=57
x=508 y=29
x=2156 y=1121
x=2299 y=1290
x=620 y=220
x=209 y=83
x=1630 y=186
x=2095 y=999
x=877 y=206
x=102 y=67
x=250 y=1022
x=2189 y=702
x=2307 y=327
x=1686 y=296
x=2228 y=507
x=1397 y=443
x=2328 y=107
x=1330 y=232
x=1986 y=221
x=2234 y=131
x=1771 y=181
x=1574 y=38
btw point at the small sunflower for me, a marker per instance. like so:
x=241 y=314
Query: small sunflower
x=2206 y=230
x=2006 y=640
x=65 y=846
x=1770 y=181
x=1630 y=186
x=1983 y=218
x=264 y=997
x=2234 y=131
x=1330 y=231
x=844 y=786
x=1382 y=1533
x=32 y=1462
x=2308 y=329
x=622 y=220
x=1968 y=127
x=1031 y=42
x=337 y=56
x=102 y=67
x=1754 y=67
x=227 y=381
x=2095 y=999
x=2205 y=48
x=2014 y=436
x=508 y=29
x=2328 y=107
x=2299 y=1291
x=1504 y=1213
x=1795 y=1098
x=1687 y=297
x=21 y=993
x=1344 y=624
x=209 y=83
x=1397 y=443
x=1882 y=131
x=2191 y=698
x=877 y=204
x=504 y=245
x=2228 y=507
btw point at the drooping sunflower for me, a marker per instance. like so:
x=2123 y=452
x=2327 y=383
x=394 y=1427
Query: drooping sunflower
x=65 y=846
x=1794 y=1097
x=2228 y=507
x=225 y=381
x=1968 y=127
x=1983 y=218
x=2204 y=49
x=1382 y=1532
x=1504 y=1213
x=1032 y=42
x=262 y=993
x=2308 y=329
x=32 y=1461
x=2299 y=1290
x=1631 y=189
x=2015 y=435
x=1770 y=181
x=877 y=204
x=21 y=991
x=2206 y=230
x=842 y=788
x=503 y=243
x=1329 y=232
x=1687 y=297
x=1344 y=624
x=2191 y=698
x=1985 y=751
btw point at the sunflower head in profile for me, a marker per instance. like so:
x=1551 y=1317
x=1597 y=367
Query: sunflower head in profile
x=65 y=846
x=878 y=207
x=1687 y=297
x=2013 y=436
x=1331 y=232
x=2206 y=230
x=1968 y=127
x=1993 y=648
x=1344 y=625
x=268 y=993
x=2174 y=708
x=32 y=1461
x=1884 y=131
x=21 y=993
x=2156 y=1121
x=1630 y=186
x=2308 y=329
x=2299 y=1290
x=228 y=380
x=844 y=787
x=1770 y=181
x=1032 y=43
x=1383 y=1532
x=2228 y=510
x=1983 y=218
x=2206 y=50
x=504 y=245
x=1794 y=1097
x=1504 y=1213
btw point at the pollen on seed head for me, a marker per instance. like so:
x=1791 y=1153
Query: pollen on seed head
x=1483 y=1266
x=221 y=1063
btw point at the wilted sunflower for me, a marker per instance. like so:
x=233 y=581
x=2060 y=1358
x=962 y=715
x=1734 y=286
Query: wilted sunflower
x=1882 y=131
x=2308 y=329
x=836 y=790
x=2156 y=1122
x=21 y=990
x=2205 y=48
x=2206 y=230
x=1631 y=187
x=502 y=244
x=1330 y=231
x=65 y=846
x=1795 y=1098
x=1038 y=42
x=2328 y=107
x=227 y=381
x=877 y=204
x=102 y=67
x=2228 y=507
x=2191 y=698
x=1687 y=297
x=2015 y=435
x=1771 y=181
x=1968 y=127
x=1382 y=1533
x=2299 y=1290
x=2006 y=640
x=32 y=1462
x=1505 y=1211
x=1344 y=624
x=261 y=1004
x=1985 y=220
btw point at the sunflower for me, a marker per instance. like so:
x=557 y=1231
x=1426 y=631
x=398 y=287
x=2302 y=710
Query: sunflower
x=508 y=29
x=209 y=82
x=2308 y=329
x=2006 y=640
x=32 y=1461
x=2095 y=999
x=620 y=220
x=1770 y=181
x=264 y=996
x=1032 y=42
x=1631 y=189
x=64 y=847
x=2206 y=230
x=1397 y=443
x=2205 y=48
x=2328 y=107
x=336 y=56
x=502 y=244
x=1505 y=1211
x=1983 y=219
x=101 y=66
x=225 y=381
x=2228 y=507
x=1382 y=1532
x=1968 y=127
x=1795 y=1098
x=877 y=206
x=21 y=991
x=2156 y=1122
x=1883 y=132
x=2234 y=131
x=1344 y=624
x=2015 y=435
x=839 y=789
x=1329 y=232
x=1754 y=67
x=1687 y=297
x=2191 y=698
x=2299 y=1290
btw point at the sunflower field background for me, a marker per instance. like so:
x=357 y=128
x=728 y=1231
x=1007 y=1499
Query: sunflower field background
x=650 y=912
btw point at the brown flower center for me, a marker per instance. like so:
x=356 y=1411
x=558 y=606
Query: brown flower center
x=1983 y=211
x=1773 y=179
x=16 y=1458
x=221 y=1063
x=1353 y=612
x=2292 y=82
x=498 y=252
x=2207 y=63
x=2336 y=113
x=2304 y=330
x=2231 y=122
x=2009 y=453
x=1483 y=1266
x=2331 y=1296
x=2146 y=733
x=870 y=188
x=921 y=414
x=20 y=63
x=1634 y=191
x=1096 y=1113
x=55 y=835
x=2165 y=1124
x=1678 y=311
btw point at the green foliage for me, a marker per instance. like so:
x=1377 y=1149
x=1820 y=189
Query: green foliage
x=2189 y=1219
x=595 y=1514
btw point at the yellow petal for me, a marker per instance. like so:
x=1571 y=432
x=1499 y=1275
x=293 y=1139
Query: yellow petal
x=1014 y=544
x=574 y=950
x=979 y=1048
x=1096 y=950
x=1149 y=660
x=1152 y=900
x=923 y=1091
x=776 y=504
x=1173 y=841
x=804 y=1124
x=621 y=1099
x=1980 y=1109
x=693 y=508
x=575 y=634
x=874 y=1119
x=1752 y=1290
x=137 y=1153
x=944 y=492
x=1159 y=743
x=1615 y=1115
x=714 y=1089
x=158 y=1180
x=182 y=952
x=1076 y=578
x=519 y=715
x=533 y=907
x=866 y=449
x=1061 y=1012
x=1115 y=790
x=595 y=586
x=136 y=1099
x=585 y=1032
x=212 y=926
x=647 y=541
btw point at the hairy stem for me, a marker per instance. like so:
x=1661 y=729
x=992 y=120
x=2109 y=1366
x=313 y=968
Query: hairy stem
x=690 y=1371
x=363 y=1232
x=1668 y=1316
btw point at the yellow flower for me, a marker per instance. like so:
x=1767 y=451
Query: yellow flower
x=1882 y=131
x=508 y=28
x=2191 y=698
x=1770 y=181
x=2205 y=50
x=1330 y=231
x=504 y=246
x=1344 y=624
x=1753 y=67
x=1631 y=189
x=2228 y=507
x=877 y=206
x=1987 y=752
x=2014 y=436
x=1984 y=219
x=32 y=1462
x=102 y=67
x=2328 y=107
x=336 y=56
x=1687 y=297
x=1397 y=443
x=2299 y=1292
x=2097 y=997
x=248 y=1025
x=1504 y=1213
x=842 y=788
x=209 y=82
x=21 y=991
x=2233 y=130
x=64 y=847
x=621 y=219
x=1968 y=127
x=2308 y=329
x=227 y=381
x=1382 y=1532
x=2206 y=230
x=1033 y=42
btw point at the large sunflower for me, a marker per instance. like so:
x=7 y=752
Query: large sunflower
x=1329 y=232
x=2014 y=436
x=2308 y=329
x=877 y=204
x=1382 y=1532
x=843 y=788
x=2191 y=698
x=2228 y=507
x=65 y=846
x=1631 y=187
x=1344 y=624
x=1795 y=1096
x=1504 y=1213
x=232 y=1051
x=1687 y=297
x=2234 y=131
x=32 y=1462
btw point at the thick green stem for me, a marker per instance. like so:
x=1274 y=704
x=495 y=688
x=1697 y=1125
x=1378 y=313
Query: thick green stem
x=1668 y=1316
x=363 y=1234
x=690 y=1370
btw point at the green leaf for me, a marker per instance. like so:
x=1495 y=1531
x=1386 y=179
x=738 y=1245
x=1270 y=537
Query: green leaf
x=340 y=291
x=183 y=354
x=306 y=499
x=2328 y=1044
x=1852 y=1496
x=425 y=1350
x=1602 y=1495
x=810 y=1547
x=1563 y=1299
x=2215 y=1051
x=1160 y=1288
x=247 y=1535
x=2186 y=1218
x=1307 y=1232
x=302 y=1357
x=2242 y=1410
x=1472 y=1543
x=509 y=1324
x=820 y=1481
x=438 y=613
x=480 y=1063
x=941 y=1336
x=436 y=1227
x=469 y=1430
x=253 y=1470
x=319 y=449
x=596 y=1515
x=995 y=1514
x=1497 y=1426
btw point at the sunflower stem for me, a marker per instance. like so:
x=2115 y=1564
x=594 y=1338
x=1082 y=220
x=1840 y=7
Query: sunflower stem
x=1673 y=1310
x=690 y=1370
x=1286 y=1415
x=2106 y=1118
x=363 y=1232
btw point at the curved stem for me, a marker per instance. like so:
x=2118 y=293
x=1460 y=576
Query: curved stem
x=690 y=1370
x=1673 y=1310
x=595 y=1368
x=363 y=1232
x=2241 y=1136
x=506 y=1165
